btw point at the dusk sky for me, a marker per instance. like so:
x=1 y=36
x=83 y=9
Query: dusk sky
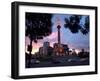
x=75 y=41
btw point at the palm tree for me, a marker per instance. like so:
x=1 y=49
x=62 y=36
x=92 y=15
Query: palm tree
x=38 y=25
x=73 y=24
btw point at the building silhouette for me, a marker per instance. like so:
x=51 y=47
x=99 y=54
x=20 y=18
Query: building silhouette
x=46 y=50
x=64 y=49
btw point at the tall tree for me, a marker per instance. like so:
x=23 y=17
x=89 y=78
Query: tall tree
x=74 y=25
x=38 y=25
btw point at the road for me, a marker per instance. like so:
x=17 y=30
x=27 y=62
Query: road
x=59 y=61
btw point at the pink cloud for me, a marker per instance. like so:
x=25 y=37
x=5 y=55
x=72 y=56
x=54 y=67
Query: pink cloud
x=53 y=35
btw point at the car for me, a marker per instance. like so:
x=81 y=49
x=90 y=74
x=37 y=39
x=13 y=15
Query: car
x=37 y=62
x=73 y=60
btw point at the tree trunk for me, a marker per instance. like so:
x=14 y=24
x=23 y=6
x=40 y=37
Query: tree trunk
x=30 y=55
